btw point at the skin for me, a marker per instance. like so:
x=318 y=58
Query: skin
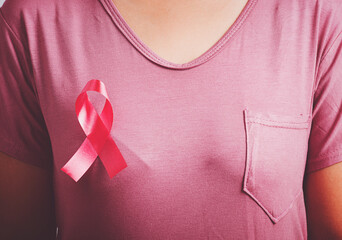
x=323 y=200
x=26 y=201
x=179 y=31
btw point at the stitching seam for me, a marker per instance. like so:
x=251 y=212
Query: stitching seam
x=328 y=50
x=24 y=50
x=199 y=60
x=276 y=126
x=324 y=156
x=271 y=120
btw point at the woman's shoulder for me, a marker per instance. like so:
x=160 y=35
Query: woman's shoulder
x=26 y=15
x=319 y=20
x=328 y=19
x=13 y=9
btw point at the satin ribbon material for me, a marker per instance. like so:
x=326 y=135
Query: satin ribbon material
x=98 y=141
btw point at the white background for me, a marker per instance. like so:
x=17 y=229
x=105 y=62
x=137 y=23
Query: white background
x=1 y=2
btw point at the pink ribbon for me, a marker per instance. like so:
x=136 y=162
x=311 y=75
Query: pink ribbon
x=98 y=141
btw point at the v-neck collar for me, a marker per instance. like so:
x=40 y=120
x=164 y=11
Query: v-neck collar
x=126 y=30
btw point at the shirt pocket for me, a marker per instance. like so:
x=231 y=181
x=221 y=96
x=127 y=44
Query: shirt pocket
x=275 y=160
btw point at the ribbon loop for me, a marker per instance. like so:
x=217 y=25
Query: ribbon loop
x=98 y=141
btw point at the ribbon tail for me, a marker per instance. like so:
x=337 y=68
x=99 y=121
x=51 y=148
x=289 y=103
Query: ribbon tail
x=111 y=158
x=81 y=161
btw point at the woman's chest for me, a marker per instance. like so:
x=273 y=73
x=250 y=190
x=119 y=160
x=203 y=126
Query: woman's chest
x=187 y=125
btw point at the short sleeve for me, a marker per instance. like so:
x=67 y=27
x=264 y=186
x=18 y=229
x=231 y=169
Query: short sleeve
x=23 y=133
x=325 y=140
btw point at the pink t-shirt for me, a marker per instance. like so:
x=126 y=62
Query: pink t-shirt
x=216 y=148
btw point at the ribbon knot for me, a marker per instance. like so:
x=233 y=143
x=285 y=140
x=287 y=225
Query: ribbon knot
x=98 y=141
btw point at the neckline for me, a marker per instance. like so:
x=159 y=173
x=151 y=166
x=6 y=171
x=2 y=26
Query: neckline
x=126 y=30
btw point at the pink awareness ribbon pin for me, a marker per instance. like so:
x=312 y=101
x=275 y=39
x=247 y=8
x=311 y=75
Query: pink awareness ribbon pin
x=98 y=141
